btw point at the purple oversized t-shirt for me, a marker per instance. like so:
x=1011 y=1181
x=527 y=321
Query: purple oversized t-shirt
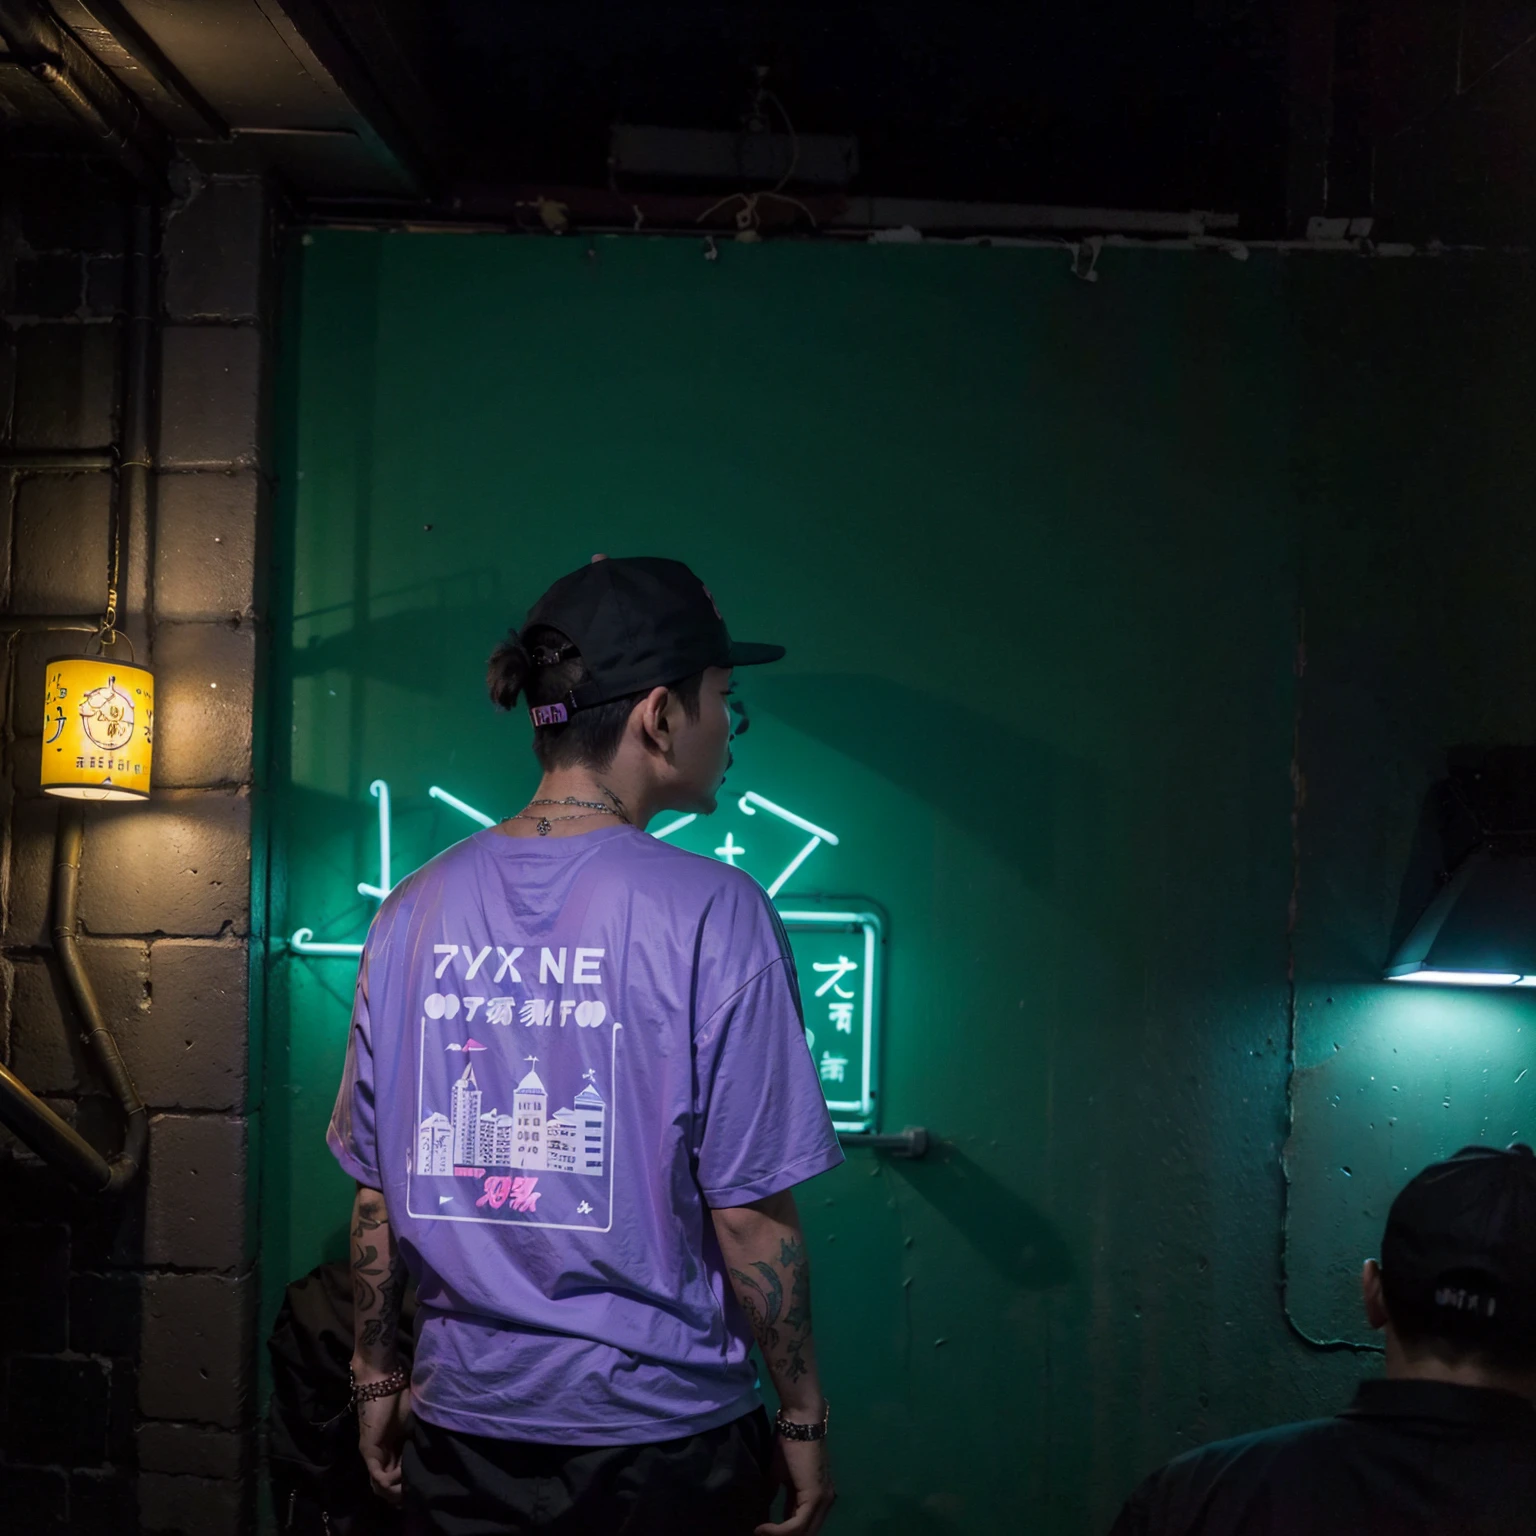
x=564 y=1053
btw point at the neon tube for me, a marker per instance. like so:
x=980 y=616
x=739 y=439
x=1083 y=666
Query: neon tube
x=674 y=826
x=751 y=800
x=459 y=805
x=303 y=943
x=793 y=865
x=381 y=790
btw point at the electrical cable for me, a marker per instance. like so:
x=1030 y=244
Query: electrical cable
x=748 y=218
x=1298 y=802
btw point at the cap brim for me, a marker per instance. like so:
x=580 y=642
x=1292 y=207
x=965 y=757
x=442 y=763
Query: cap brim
x=748 y=653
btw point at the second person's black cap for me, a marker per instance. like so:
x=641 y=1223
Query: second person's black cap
x=1459 y=1251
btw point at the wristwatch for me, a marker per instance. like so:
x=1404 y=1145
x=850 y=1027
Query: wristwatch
x=788 y=1430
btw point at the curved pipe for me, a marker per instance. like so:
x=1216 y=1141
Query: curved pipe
x=28 y=1116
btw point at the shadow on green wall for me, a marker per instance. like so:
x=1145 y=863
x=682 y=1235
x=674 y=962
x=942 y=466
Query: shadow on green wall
x=1008 y=1232
x=1011 y=791
x=374 y=648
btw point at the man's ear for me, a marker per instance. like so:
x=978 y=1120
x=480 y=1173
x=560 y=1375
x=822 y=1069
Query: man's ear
x=654 y=724
x=1371 y=1291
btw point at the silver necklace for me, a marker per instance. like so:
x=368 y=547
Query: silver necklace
x=543 y=825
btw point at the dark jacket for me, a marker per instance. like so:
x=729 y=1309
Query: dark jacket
x=1406 y=1458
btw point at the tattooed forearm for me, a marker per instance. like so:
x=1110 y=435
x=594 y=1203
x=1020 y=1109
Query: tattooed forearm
x=797 y=1319
x=770 y=1273
x=762 y=1299
x=378 y=1282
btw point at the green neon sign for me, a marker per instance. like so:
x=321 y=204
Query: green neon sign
x=839 y=951
x=837 y=945
x=302 y=941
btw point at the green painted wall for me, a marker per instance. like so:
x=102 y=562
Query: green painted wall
x=1039 y=549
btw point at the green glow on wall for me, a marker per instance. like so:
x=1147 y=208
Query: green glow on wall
x=1113 y=499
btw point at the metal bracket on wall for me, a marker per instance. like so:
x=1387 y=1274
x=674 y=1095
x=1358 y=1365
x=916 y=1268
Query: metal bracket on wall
x=912 y=1142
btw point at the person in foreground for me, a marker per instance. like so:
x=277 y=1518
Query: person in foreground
x=576 y=1100
x=1447 y=1441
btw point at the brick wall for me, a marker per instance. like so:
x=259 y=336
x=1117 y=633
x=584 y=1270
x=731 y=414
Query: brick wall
x=126 y=1326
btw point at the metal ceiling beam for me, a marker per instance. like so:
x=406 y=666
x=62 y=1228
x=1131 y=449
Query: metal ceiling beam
x=117 y=26
x=46 y=49
x=323 y=49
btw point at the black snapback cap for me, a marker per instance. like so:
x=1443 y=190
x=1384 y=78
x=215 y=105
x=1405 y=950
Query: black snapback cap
x=639 y=622
x=1459 y=1251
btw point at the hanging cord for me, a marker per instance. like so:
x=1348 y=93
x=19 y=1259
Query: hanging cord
x=1298 y=804
x=748 y=218
x=114 y=572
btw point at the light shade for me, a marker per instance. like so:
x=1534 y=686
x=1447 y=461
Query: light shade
x=98 y=728
x=1480 y=930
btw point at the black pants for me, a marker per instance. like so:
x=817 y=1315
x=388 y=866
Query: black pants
x=715 y=1484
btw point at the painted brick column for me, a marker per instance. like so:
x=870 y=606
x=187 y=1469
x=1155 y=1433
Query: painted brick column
x=134 y=1319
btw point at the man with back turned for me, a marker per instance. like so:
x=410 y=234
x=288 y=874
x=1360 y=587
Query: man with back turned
x=577 y=1101
x=1446 y=1442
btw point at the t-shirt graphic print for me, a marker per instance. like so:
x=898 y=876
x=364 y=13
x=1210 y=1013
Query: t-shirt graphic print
x=495 y=1142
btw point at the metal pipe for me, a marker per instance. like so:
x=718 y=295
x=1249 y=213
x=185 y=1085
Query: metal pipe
x=32 y=624
x=65 y=923
x=68 y=90
x=58 y=461
x=912 y=1142
x=56 y=1142
x=26 y=1115
x=116 y=19
x=130 y=512
x=50 y=51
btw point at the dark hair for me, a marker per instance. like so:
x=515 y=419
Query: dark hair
x=544 y=665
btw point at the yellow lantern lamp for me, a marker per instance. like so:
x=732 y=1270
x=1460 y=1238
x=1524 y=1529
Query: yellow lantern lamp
x=98 y=728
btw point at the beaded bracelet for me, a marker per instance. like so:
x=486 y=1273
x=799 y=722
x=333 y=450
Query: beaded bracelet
x=791 y=1431
x=392 y=1385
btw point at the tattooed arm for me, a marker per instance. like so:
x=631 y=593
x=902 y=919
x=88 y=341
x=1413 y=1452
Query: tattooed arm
x=764 y=1251
x=378 y=1289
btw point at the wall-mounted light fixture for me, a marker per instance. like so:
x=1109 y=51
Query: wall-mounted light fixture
x=1478 y=929
x=98 y=728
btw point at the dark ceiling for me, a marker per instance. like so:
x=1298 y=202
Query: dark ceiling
x=1160 y=105
x=1419 y=114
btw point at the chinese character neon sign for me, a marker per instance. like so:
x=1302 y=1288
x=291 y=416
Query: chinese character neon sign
x=838 y=949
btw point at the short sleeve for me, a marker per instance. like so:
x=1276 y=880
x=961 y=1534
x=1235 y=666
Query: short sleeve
x=351 y=1136
x=761 y=1120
